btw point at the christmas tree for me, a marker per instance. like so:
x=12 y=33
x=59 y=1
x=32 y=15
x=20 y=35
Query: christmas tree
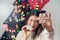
x=15 y=21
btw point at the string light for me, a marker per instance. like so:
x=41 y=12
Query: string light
x=15 y=6
x=16 y=26
x=9 y=17
x=10 y=30
x=3 y=36
x=27 y=4
x=16 y=2
x=23 y=6
x=13 y=15
x=13 y=30
x=27 y=12
x=30 y=8
x=36 y=8
x=22 y=12
x=18 y=30
x=20 y=5
x=19 y=1
x=10 y=20
x=16 y=20
x=19 y=10
x=19 y=19
x=22 y=18
x=6 y=37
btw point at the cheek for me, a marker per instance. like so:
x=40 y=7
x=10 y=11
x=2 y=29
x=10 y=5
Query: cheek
x=28 y=23
x=36 y=25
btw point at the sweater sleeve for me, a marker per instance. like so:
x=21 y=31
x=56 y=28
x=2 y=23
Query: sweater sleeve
x=51 y=35
x=48 y=35
x=20 y=36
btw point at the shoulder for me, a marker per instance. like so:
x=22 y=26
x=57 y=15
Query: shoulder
x=48 y=35
x=19 y=35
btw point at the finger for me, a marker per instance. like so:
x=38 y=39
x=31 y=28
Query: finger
x=44 y=14
x=42 y=18
x=24 y=29
x=44 y=25
x=39 y=15
x=49 y=23
x=48 y=15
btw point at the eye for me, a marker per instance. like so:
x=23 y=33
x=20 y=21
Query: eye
x=31 y=20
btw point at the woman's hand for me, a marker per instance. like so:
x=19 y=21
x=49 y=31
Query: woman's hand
x=26 y=32
x=45 y=20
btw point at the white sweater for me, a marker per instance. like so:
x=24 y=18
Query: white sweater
x=45 y=35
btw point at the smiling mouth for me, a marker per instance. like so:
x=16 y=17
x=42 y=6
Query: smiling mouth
x=32 y=27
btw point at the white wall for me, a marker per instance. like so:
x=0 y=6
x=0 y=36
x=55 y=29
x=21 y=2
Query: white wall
x=5 y=9
x=53 y=7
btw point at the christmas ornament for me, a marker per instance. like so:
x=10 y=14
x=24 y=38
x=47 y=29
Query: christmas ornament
x=18 y=1
x=16 y=26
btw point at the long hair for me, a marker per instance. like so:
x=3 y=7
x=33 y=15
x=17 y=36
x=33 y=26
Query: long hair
x=39 y=29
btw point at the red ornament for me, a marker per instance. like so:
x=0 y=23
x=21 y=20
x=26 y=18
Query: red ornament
x=13 y=30
x=39 y=3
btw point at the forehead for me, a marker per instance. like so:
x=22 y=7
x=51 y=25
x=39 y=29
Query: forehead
x=33 y=17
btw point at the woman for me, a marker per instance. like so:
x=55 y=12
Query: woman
x=41 y=30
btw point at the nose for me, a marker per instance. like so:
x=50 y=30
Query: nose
x=32 y=24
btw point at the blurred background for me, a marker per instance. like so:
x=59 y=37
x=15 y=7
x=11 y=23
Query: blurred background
x=6 y=7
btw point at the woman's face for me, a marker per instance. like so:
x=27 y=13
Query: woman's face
x=32 y=21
